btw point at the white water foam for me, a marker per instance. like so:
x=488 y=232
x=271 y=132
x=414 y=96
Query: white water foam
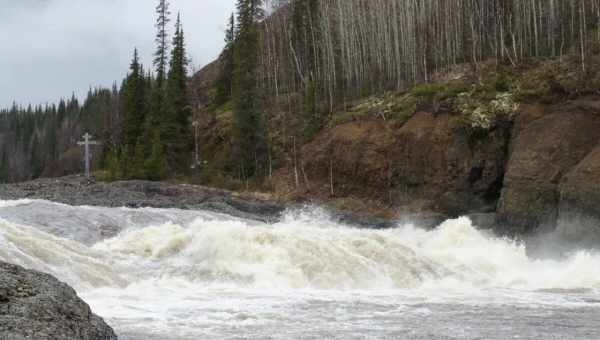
x=203 y=276
x=301 y=251
x=14 y=203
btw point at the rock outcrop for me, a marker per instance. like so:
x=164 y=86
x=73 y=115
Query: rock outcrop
x=425 y=165
x=76 y=190
x=542 y=153
x=37 y=306
x=537 y=170
x=579 y=207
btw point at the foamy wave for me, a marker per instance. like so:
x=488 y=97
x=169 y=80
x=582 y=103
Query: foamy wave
x=68 y=260
x=302 y=253
x=304 y=250
x=15 y=203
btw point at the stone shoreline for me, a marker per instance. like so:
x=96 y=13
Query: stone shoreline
x=77 y=190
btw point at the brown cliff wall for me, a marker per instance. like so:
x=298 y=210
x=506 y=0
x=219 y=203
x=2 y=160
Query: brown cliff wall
x=538 y=169
x=542 y=153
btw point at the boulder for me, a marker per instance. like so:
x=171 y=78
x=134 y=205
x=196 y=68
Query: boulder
x=37 y=306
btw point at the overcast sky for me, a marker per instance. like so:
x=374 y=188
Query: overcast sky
x=51 y=48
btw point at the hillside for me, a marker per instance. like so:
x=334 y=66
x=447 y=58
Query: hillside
x=503 y=127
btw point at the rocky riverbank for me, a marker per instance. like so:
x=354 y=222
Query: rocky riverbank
x=77 y=190
x=536 y=170
x=37 y=306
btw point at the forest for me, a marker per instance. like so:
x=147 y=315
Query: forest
x=287 y=67
x=143 y=126
x=41 y=141
x=354 y=47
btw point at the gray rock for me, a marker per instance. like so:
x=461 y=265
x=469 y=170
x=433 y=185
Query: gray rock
x=483 y=221
x=360 y=221
x=36 y=306
x=76 y=190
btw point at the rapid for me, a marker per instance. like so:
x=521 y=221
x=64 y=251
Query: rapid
x=175 y=274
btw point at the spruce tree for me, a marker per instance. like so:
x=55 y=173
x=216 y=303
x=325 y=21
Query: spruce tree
x=225 y=79
x=36 y=158
x=157 y=101
x=134 y=108
x=312 y=119
x=4 y=166
x=137 y=165
x=107 y=150
x=61 y=112
x=51 y=140
x=157 y=167
x=175 y=132
x=161 y=54
x=248 y=120
x=112 y=165
x=155 y=108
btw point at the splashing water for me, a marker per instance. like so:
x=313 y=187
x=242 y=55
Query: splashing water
x=171 y=274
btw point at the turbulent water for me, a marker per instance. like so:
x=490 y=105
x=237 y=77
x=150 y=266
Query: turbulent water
x=173 y=274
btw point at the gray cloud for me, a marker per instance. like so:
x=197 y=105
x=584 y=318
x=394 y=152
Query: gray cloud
x=51 y=48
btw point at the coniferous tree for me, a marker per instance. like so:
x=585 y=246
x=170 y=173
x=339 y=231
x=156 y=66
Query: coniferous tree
x=157 y=167
x=108 y=147
x=61 y=111
x=312 y=119
x=4 y=167
x=112 y=165
x=52 y=127
x=161 y=54
x=157 y=100
x=224 y=82
x=134 y=108
x=137 y=164
x=175 y=132
x=36 y=144
x=248 y=120
x=155 y=108
x=36 y=158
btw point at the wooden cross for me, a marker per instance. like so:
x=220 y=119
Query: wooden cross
x=86 y=143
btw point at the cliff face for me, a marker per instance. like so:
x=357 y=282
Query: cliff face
x=542 y=154
x=540 y=169
x=579 y=200
x=425 y=165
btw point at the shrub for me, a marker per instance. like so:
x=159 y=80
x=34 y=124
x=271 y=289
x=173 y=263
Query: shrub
x=482 y=115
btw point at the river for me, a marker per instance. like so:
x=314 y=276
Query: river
x=169 y=274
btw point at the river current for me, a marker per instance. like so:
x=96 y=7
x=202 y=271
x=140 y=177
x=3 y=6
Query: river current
x=169 y=274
